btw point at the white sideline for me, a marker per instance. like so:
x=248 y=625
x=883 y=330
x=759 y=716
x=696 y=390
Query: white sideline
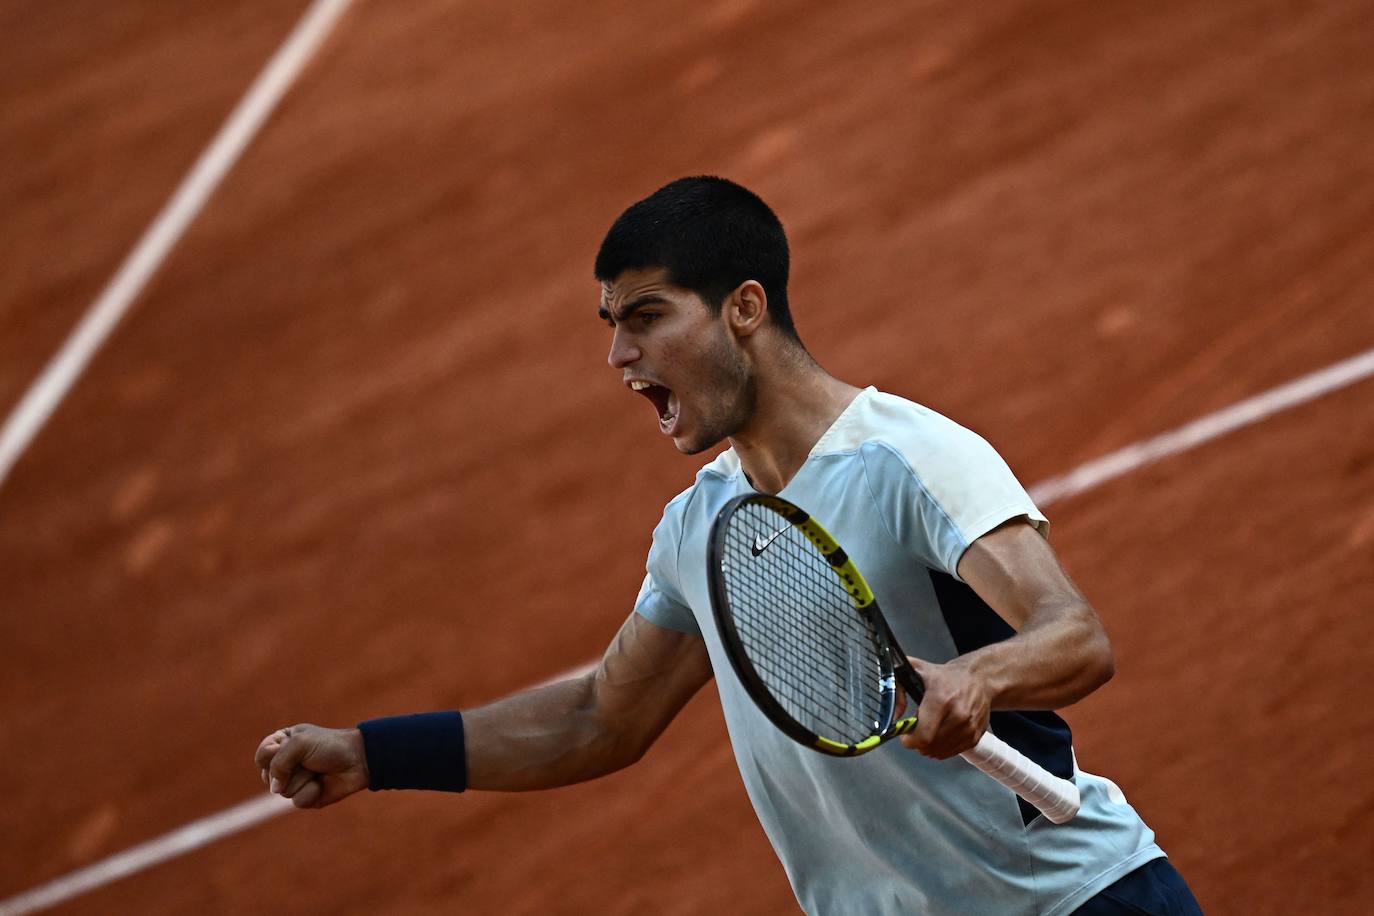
x=157 y=242
x=217 y=826
x=137 y=858
x=182 y=840
x=1228 y=419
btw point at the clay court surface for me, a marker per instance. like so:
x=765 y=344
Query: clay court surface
x=356 y=450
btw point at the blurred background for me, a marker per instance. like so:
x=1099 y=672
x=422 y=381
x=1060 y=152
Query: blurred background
x=356 y=451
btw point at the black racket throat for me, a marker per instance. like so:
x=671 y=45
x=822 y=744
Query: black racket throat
x=908 y=680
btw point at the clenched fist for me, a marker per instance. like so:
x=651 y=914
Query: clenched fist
x=954 y=711
x=313 y=766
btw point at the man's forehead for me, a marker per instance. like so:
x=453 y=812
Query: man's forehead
x=631 y=284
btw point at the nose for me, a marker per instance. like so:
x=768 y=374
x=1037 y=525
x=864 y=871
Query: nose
x=623 y=352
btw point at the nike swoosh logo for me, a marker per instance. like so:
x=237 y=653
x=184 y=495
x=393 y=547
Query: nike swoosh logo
x=761 y=543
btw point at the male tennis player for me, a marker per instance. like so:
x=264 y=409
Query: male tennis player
x=694 y=289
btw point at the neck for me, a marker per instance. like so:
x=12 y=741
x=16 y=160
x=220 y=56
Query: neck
x=797 y=401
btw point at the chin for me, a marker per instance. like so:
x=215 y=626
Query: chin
x=706 y=435
x=691 y=447
x=696 y=445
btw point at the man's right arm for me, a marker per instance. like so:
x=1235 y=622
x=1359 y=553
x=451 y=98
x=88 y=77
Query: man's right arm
x=550 y=736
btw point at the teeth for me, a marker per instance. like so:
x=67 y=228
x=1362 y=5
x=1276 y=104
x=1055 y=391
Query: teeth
x=639 y=386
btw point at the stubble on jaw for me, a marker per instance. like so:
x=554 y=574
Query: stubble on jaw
x=738 y=397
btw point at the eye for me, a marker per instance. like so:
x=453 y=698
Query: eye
x=646 y=317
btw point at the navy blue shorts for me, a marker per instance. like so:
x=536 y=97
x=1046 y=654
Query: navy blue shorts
x=1154 y=889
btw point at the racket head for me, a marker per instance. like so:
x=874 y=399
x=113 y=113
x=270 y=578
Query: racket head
x=802 y=628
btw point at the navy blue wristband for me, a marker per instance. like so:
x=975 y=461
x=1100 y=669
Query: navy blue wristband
x=420 y=751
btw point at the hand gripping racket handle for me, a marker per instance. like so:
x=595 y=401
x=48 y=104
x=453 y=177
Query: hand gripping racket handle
x=1056 y=798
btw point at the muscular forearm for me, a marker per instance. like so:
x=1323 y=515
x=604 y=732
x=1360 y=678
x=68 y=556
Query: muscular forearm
x=541 y=739
x=1060 y=655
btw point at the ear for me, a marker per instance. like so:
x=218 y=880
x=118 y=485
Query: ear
x=746 y=308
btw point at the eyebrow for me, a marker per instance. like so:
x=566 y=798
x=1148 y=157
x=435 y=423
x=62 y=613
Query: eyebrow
x=633 y=306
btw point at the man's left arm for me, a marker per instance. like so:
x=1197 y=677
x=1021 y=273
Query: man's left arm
x=1059 y=655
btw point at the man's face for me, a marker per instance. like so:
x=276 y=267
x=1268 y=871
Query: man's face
x=670 y=348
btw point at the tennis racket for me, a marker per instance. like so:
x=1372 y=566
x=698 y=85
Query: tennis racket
x=804 y=633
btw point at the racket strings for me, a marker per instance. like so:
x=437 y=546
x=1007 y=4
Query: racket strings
x=815 y=653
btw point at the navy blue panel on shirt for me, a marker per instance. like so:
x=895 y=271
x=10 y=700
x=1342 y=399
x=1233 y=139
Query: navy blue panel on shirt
x=1039 y=734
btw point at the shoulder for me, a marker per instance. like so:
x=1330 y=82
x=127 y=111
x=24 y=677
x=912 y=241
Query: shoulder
x=936 y=484
x=912 y=433
x=721 y=472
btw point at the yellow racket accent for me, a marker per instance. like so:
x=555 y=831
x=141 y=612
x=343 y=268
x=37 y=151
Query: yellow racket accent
x=838 y=560
x=847 y=750
x=854 y=583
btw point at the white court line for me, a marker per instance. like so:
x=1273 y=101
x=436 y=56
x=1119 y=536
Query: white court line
x=137 y=858
x=192 y=836
x=1251 y=410
x=217 y=826
x=157 y=242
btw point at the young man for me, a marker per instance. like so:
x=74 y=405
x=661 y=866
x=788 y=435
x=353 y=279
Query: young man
x=694 y=289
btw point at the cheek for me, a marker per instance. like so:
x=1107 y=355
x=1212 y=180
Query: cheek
x=726 y=390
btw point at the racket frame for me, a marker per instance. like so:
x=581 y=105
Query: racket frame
x=892 y=664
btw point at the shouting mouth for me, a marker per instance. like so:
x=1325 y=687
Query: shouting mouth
x=664 y=401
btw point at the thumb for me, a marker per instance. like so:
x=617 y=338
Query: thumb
x=920 y=665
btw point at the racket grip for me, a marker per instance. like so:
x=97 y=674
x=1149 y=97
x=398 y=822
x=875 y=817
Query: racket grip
x=1056 y=798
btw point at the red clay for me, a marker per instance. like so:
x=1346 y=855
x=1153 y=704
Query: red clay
x=357 y=451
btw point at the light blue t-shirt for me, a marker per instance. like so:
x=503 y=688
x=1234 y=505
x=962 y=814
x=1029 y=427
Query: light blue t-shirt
x=905 y=490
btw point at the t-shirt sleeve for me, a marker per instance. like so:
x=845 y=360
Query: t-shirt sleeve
x=941 y=487
x=660 y=598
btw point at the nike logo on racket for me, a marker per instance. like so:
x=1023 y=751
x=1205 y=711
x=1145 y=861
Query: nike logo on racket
x=761 y=543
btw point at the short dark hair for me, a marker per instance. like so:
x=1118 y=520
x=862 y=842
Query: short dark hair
x=710 y=235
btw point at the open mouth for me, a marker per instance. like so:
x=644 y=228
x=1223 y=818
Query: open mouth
x=665 y=403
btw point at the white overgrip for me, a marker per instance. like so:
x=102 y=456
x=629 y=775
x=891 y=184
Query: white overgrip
x=1055 y=798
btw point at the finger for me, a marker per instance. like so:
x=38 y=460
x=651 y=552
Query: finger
x=298 y=779
x=266 y=748
x=943 y=749
x=266 y=751
x=308 y=796
x=929 y=718
x=269 y=746
x=285 y=761
x=921 y=667
x=961 y=731
x=904 y=699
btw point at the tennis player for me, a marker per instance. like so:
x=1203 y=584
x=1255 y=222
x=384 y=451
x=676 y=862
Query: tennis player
x=694 y=290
